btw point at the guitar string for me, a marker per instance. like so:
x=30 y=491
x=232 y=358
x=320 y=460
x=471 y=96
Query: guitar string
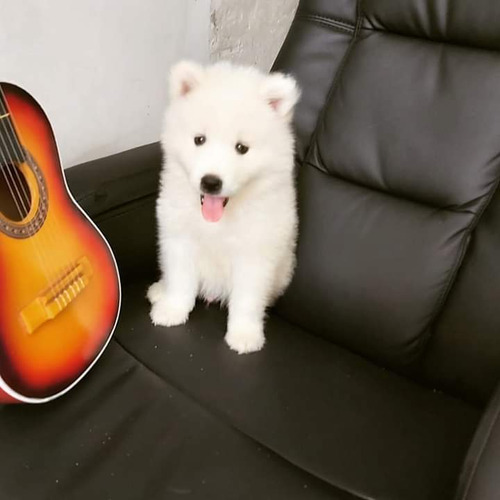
x=17 y=200
x=46 y=237
x=66 y=267
x=8 y=183
x=36 y=239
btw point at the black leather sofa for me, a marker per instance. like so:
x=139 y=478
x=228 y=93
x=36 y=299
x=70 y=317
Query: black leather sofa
x=378 y=379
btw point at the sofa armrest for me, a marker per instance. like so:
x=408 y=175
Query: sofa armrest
x=480 y=478
x=119 y=193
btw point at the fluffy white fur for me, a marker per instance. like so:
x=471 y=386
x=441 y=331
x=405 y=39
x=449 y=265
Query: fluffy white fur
x=246 y=259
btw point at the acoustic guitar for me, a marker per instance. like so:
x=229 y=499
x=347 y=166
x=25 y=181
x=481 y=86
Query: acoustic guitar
x=59 y=285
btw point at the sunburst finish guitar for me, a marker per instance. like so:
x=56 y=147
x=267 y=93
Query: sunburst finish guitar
x=59 y=284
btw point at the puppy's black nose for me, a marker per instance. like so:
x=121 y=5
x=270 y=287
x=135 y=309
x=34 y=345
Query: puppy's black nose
x=211 y=184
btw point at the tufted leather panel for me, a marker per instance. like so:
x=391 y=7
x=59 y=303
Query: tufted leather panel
x=461 y=22
x=401 y=170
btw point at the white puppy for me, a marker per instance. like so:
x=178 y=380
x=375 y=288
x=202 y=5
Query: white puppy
x=226 y=210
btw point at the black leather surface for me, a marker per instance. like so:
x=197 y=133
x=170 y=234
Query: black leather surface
x=106 y=184
x=463 y=354
x=127 y=434
x=387 y=257
x=339 y=10
x=356 y=426
x=312 y=54
x=458 y=22
x=480 y=476
x=119 y=192
x=176 y=413
x=409 y=140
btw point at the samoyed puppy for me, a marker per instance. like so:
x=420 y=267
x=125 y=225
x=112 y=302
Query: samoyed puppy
x=227 y=221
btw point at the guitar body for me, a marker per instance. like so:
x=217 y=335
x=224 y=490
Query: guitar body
x=59 y=284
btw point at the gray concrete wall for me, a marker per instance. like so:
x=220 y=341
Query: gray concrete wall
x=249 y=31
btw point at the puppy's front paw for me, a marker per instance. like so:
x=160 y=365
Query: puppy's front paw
x=155 y=292
x=245 y=337
x=165 y=312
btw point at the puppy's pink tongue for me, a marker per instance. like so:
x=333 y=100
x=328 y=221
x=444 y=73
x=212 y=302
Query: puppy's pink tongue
x=212 y=207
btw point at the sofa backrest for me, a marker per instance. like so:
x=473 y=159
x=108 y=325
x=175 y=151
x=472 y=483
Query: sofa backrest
x=399 y=163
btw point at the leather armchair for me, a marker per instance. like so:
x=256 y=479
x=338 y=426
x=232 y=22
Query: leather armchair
x=379 y=375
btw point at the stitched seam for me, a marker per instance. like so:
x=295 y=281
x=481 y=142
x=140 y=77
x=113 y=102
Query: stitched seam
x=458 y=263
x=116 y=212
x=91 y=195
x=329 y=19
x=331 y=26
x=84 y=199
x=328 y=22
x=313 y=149
x=222 y=418
x=480 y=454
x=429 y=40
x=389 y=194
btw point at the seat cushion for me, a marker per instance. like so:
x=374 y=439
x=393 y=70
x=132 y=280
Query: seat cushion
x=361 y=429
x=126 y=434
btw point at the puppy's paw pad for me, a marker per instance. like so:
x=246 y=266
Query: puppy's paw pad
x=155 y=292
x=166 y=313
x=244 y=340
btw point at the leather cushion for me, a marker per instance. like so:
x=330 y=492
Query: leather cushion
x=371 y=268
x=464 y=355
x=411 y=157
x=459 y=22
x=312 y=53
x=125 y=433
x=479 y=478
x=356 y=426
x=411 y=119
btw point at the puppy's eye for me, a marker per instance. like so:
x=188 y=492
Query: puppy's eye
x=199 y=140
x=241 y=148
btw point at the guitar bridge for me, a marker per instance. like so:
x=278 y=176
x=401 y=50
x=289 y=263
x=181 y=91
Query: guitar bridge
x=58 y=296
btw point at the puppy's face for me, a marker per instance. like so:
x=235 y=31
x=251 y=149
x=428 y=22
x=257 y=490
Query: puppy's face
x=226 y=127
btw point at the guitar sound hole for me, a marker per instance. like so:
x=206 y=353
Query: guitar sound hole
x=15 y=196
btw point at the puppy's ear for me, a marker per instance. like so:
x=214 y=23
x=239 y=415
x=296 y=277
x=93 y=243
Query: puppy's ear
x=184 y=77
x=281 y=93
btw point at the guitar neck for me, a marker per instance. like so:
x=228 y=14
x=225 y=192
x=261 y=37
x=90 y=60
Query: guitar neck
x=10 y=146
